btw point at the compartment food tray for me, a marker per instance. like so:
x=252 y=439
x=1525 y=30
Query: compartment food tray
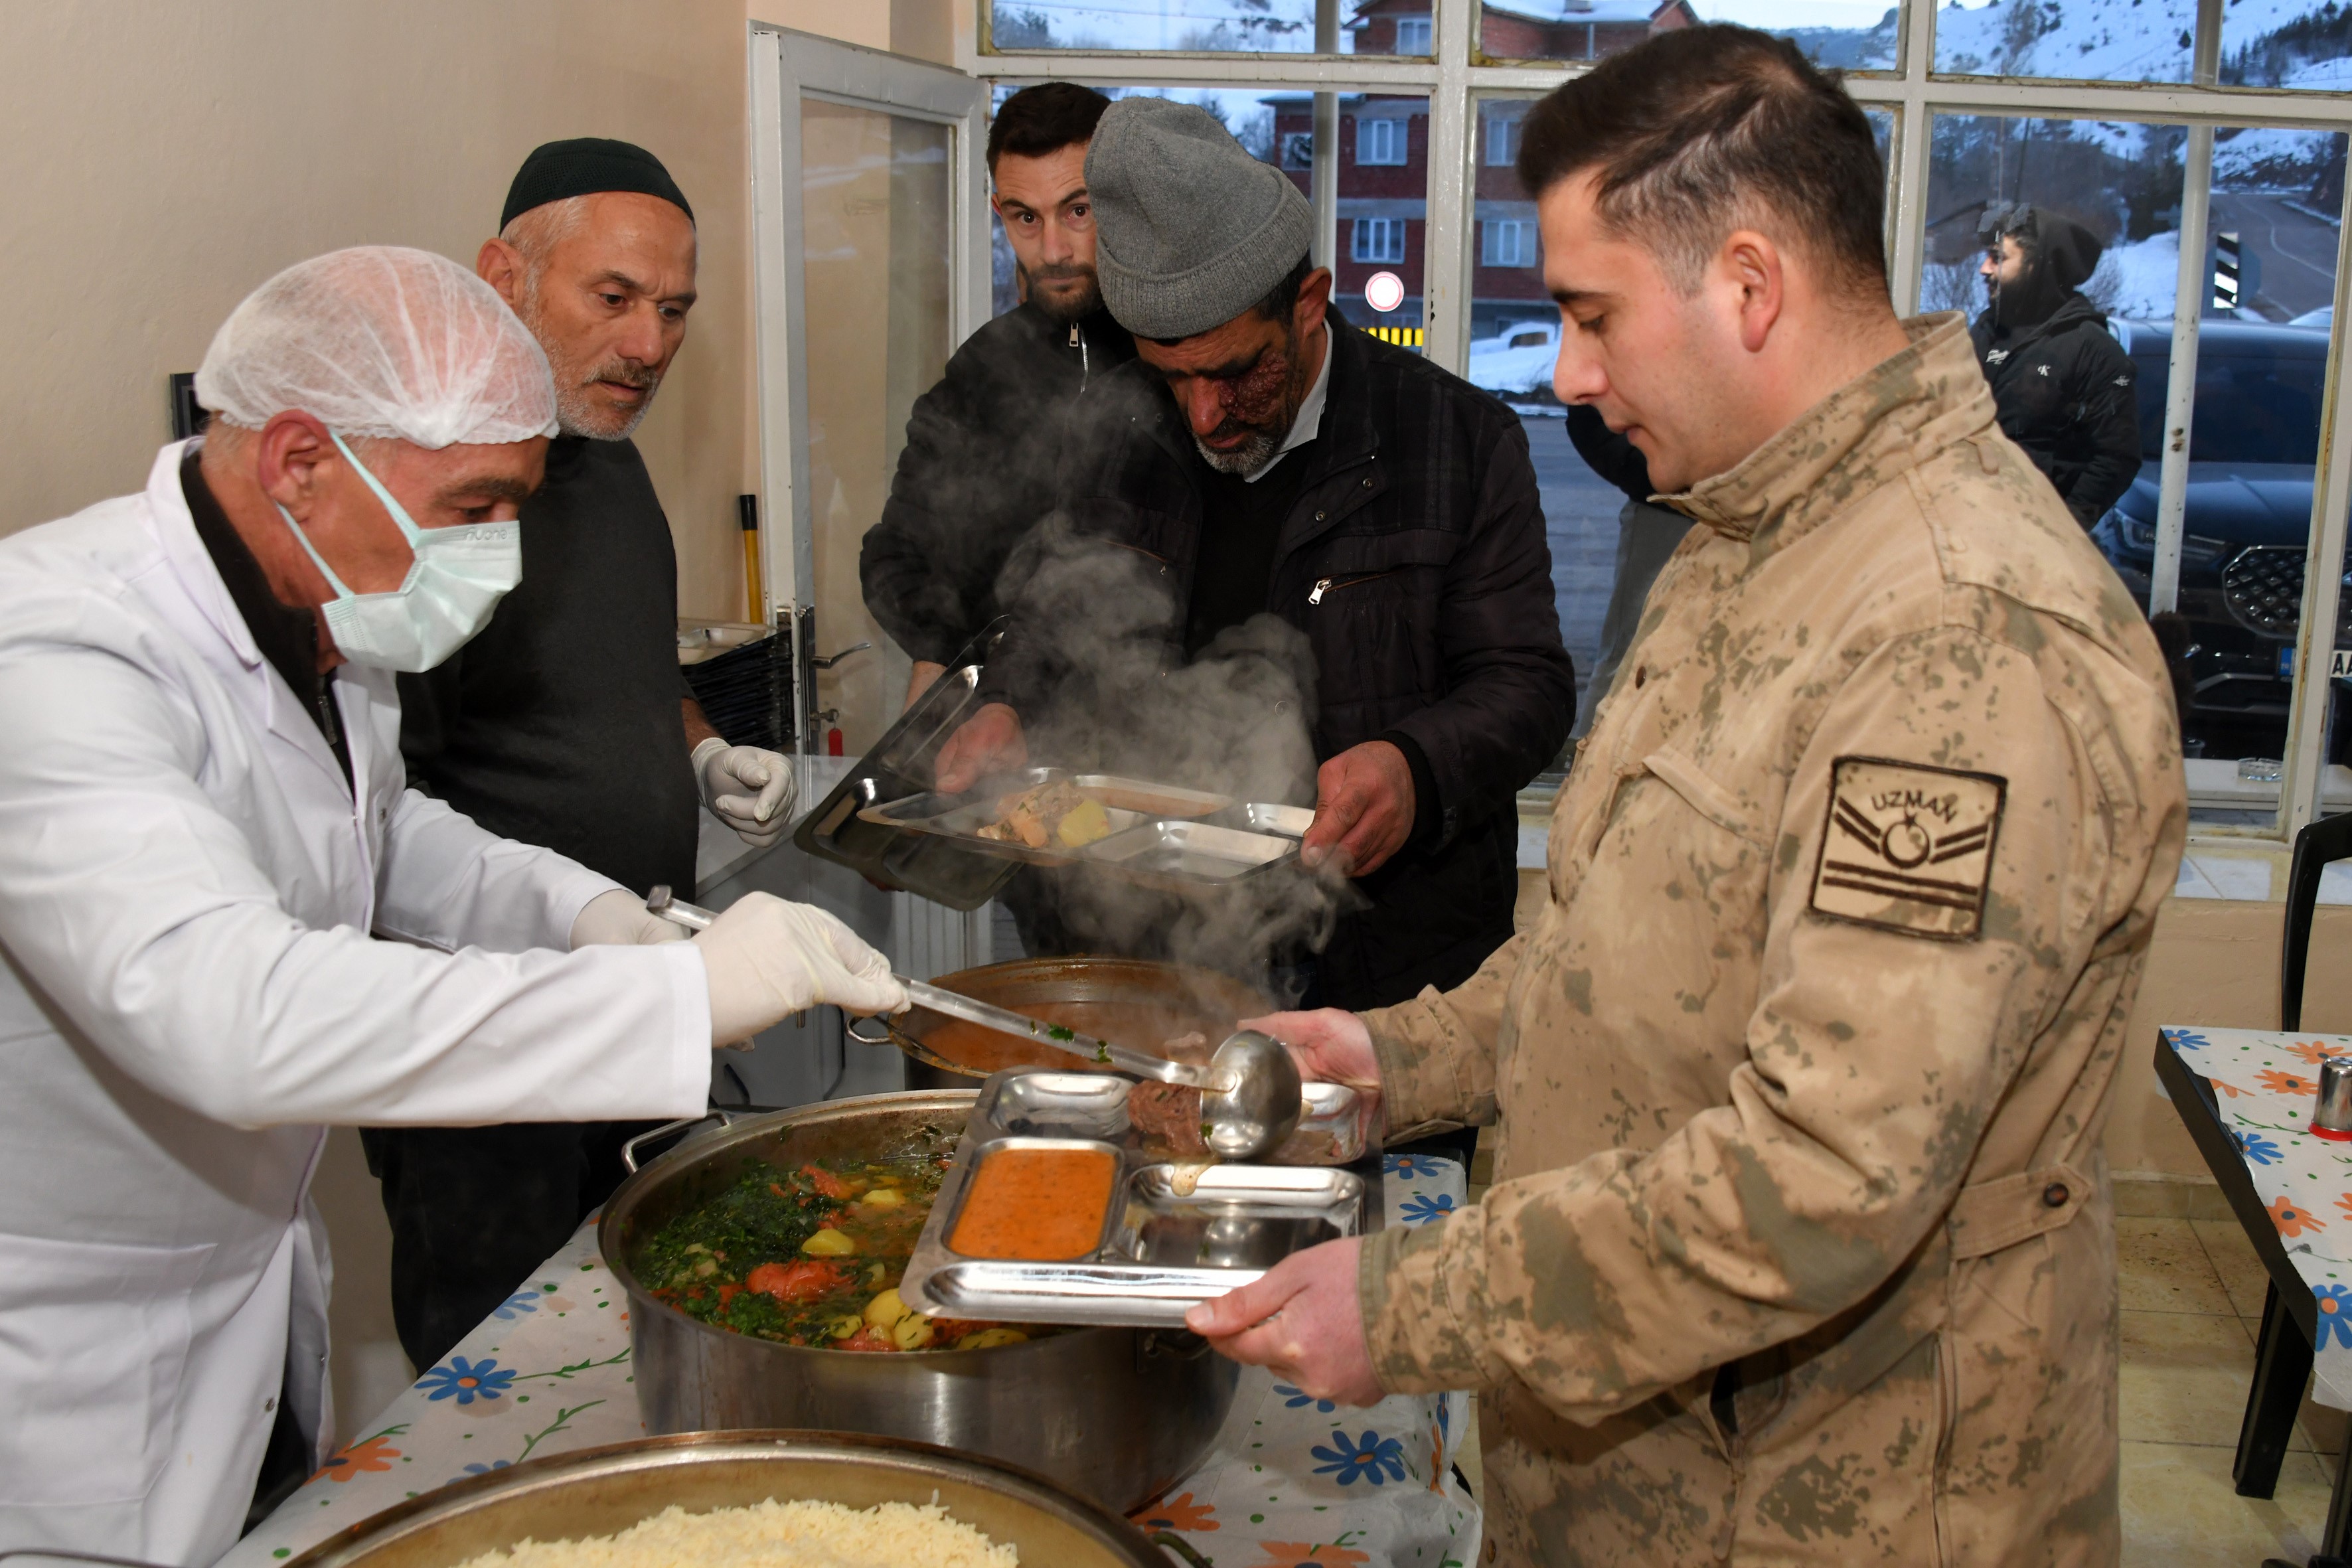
x=1173 y=1235
x=1157 y=834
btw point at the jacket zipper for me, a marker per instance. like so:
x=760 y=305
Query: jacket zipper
x=1086 y=365
x=1324 y=584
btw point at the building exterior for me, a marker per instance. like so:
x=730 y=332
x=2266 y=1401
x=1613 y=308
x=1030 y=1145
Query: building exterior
x=1384 y=153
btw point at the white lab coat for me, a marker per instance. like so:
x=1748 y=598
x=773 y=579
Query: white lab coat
x=188 y=987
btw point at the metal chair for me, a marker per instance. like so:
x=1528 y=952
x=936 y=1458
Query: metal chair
x=2283 y=1355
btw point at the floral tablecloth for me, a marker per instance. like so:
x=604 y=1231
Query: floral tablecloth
x=2265 y=1083
x=1291 y=1479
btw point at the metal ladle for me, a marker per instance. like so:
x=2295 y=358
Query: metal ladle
x=1250 y=1090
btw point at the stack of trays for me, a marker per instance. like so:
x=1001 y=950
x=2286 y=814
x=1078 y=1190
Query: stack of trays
x=1160 y=833
x=1053 y=1211
x=742 y=675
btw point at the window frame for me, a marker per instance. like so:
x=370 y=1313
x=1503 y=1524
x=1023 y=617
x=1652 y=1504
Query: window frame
x=1489 y=230
x=1460 y=78
x=1392 y=228
x=1391 y=128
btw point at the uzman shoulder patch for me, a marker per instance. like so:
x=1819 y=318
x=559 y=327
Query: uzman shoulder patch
x=1909 y=848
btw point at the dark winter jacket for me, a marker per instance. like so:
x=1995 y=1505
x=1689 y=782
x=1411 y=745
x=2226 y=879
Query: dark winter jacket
x=1414 y=562
x=977 y=472
x=2062 y=389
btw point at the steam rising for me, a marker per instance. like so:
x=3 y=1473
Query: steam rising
x=1237 y=720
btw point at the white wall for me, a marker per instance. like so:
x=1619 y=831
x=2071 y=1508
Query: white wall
x=160 y=161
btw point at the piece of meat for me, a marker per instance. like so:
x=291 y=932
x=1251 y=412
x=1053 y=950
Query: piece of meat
x=1033 y=815
x=1168 y=1115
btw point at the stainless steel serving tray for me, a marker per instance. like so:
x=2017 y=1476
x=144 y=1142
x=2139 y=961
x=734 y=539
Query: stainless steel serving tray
x=1161 y=1249
x=1191 y=852
x=1157 y=834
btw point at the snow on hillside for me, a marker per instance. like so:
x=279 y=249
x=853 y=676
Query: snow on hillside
x=2139 y=279
x=2105 y=40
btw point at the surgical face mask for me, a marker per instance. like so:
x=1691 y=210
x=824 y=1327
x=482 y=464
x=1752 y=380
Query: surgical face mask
x=455 y=581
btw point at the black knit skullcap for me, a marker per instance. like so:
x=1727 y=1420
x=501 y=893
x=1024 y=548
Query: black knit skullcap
x=584 y=166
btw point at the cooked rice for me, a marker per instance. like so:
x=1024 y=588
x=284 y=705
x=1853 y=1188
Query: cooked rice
x=772 y=1534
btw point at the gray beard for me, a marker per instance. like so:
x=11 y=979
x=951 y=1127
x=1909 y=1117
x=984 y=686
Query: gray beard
x=1244 y=459
x=576 y=414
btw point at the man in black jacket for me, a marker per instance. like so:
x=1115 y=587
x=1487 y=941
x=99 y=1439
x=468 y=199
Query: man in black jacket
x=978 y=468
x=1266 y=477
x=2061 y=384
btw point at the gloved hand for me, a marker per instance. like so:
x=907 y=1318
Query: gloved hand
x=751 y=790
x=767 y=959
x=619 y=918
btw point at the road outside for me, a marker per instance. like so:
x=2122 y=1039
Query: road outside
x=1580 y=521
x=2297 y=251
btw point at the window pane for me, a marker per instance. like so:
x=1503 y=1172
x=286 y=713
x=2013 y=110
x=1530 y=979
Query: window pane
x=2262 y=372
x=1382 y=204
x=1514 y=338
x=1254 y=26
x=2100 y=40
x=1859 y=36
x=2267 y=279
x=2298 y=46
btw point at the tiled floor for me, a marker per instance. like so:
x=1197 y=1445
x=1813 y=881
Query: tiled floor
x=2192 y=1303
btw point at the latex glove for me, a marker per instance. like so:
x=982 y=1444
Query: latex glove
x=988 y=743
x=620 y=919
x=1303 y=1320
x=1363 y=809
x=768 y=959
x=749 y=790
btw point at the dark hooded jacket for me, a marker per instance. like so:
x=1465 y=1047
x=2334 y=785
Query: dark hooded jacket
x=978 y=473
x=2062 y=387
x=1413 y=560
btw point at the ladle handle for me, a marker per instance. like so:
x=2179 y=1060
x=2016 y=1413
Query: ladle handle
x=957 y=1006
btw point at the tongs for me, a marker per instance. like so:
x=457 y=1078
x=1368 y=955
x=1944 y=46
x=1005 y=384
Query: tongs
x=1250 y=1090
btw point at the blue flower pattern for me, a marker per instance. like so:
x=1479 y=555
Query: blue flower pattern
x=479 y=1471
x=466 y=1381
x=2186 y=1040
x=2334 y=1304
x=1293 y=1398
x=1377 y=1458
x=2256 y=1148
x=1423 y=1207
x=515 y=1305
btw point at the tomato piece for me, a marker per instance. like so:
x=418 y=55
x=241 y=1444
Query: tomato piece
x=866 y=1339
x=826 y=1183
x=804 y=1280
x=727 y=1293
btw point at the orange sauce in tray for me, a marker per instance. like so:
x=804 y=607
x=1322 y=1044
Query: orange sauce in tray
x=1036 y=1206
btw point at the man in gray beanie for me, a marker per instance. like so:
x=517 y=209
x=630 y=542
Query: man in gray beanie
x=1278 y=463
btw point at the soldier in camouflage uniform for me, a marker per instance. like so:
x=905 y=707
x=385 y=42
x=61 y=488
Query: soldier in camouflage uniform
x=1801 y=1247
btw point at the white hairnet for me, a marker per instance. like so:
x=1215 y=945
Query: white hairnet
x=381 y=340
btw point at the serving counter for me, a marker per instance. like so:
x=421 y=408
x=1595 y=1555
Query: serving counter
x=1290 y=1480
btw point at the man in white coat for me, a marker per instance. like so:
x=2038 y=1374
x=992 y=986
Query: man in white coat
x=225 y=920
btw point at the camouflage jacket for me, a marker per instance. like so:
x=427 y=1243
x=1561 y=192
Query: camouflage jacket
x=1801 y=1247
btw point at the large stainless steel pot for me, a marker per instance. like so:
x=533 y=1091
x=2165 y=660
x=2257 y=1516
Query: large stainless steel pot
x=1114 y=1413
x=1129 y=1000
x=599 y=1491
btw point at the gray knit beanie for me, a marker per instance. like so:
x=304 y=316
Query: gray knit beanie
x=1190 y=231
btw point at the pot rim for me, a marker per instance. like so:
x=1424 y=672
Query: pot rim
x=752 y=1129
x=356 y=1541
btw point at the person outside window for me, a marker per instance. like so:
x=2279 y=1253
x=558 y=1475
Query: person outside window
x=2063 y=385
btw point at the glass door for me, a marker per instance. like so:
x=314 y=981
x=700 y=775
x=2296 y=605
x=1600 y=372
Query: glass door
x=867 y=179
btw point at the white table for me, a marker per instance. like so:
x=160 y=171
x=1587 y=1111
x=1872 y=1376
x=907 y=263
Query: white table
x=1289 y=1481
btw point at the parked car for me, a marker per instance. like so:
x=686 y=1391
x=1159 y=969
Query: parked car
x=2253 y=442
x=1516 y=364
